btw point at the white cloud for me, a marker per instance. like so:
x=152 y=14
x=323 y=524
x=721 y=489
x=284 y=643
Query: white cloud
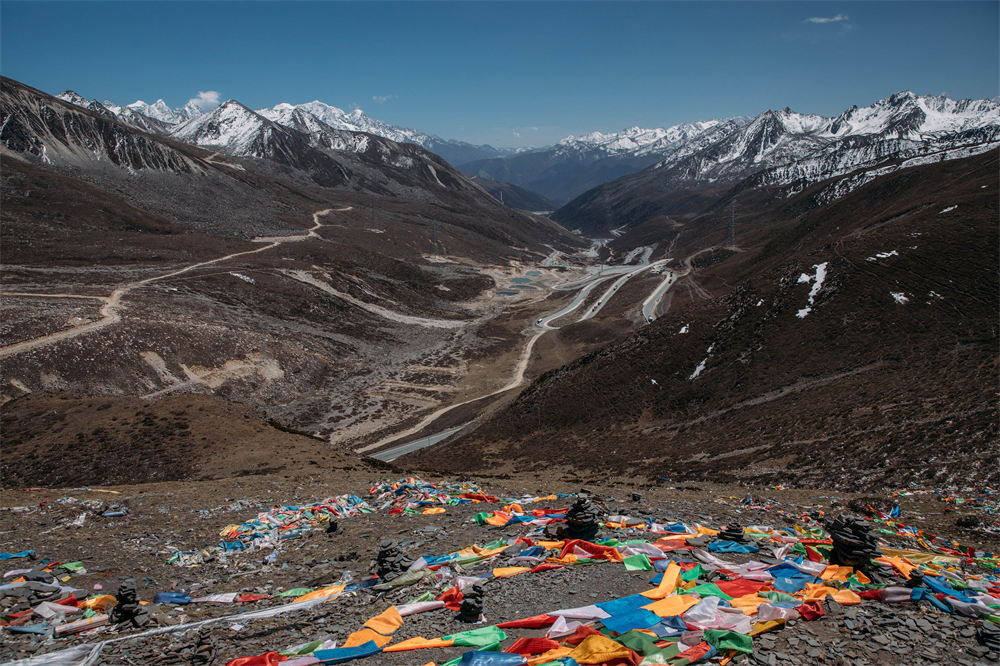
x=206 y=100
x=382 y=99
x=532 y=128
x=839 y=18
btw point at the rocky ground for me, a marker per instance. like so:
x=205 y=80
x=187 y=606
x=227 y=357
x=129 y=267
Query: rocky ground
x=66 y=525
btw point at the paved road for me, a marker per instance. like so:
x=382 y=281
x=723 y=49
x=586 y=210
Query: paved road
x=588 y=287
x=613 y=289
x=542 y=325
x=650 y=305
x=388 y=455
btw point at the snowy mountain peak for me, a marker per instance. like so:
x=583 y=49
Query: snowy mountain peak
x=157 y=110
x=73 y=98
x=192 y=110
x=231 y=125
x=901 y=97
x=636 y=140
x=336 y=118
x=81 y=101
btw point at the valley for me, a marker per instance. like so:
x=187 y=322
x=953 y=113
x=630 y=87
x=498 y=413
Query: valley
x=240 y=349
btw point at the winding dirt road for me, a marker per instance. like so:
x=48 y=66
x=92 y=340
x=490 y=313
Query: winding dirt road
x=109 y=311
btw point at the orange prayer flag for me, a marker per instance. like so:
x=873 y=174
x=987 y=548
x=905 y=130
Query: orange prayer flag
x=507 y=572
x=673 y=605
x=330 y=591
x=668 y=583
x=418 y=643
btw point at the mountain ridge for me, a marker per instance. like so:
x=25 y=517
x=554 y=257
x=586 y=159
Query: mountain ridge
x=790 y=150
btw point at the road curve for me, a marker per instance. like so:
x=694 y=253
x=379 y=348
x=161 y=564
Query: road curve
x=613 y=289
x=109 y=310
x=650 y=305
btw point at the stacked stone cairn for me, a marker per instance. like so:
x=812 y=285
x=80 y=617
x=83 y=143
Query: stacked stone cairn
x=733 y=532
x=127 y=609
x=583 y=521
x=854 y=544
x=471 y=609
x=391 y=561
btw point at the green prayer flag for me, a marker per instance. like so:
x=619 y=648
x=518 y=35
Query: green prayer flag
x=708 y=590
x=492 y=545
x=691 y=574
x=728 y=640
x=477 y=637
x=637 y=563
x=642 y=643
x=426 y=596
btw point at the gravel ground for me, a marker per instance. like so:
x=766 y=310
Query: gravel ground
x=189 y=516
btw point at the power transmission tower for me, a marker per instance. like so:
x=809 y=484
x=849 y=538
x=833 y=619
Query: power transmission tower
x=434 y=236
x=731 y=239
x=374 y=221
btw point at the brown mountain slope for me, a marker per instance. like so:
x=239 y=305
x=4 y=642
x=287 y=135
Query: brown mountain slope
x=171 y=270
x=866 y=389
x=65 y=440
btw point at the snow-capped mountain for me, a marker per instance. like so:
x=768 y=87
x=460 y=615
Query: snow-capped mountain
x=815 y=147
x=81 y=101
x=158 y=110
x=636 y=140
x=355 y=121
x=793 y=150
x=455 y=152
x=166 y=119
x=330 y=156
x=578 y=163
x=237 y=130
x=131 y=114
x=70 y=130
x=232 y=127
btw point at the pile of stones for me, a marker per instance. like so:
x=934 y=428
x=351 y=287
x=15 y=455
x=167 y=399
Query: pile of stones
x=733 y=532
x=391 y=561
x=854 y=543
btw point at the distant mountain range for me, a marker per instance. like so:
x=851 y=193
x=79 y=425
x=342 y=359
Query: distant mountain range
x=160 y=118
x=791 y=151
x=234 y=147
x=577 y=164
x=608 y=180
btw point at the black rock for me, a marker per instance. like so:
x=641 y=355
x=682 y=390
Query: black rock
x=127 y=609
x=390 y=561
x=733 y=532
x=854 y=544
x=583 y=521
x=471 y=609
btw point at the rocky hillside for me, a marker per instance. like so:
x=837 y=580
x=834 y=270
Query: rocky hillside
x=851 y=344
x=139 y=265
x=515 y=197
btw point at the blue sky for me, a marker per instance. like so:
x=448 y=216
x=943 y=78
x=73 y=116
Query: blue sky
x=512 y=73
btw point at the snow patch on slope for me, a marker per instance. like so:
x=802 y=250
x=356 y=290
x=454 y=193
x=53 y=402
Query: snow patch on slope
x=817 y=283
